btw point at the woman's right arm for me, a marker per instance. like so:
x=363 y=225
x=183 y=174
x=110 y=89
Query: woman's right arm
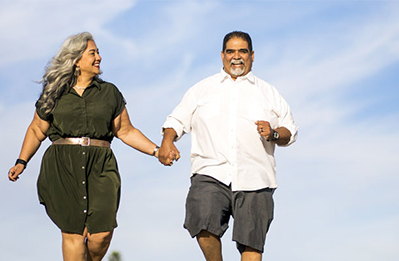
x=34 y=136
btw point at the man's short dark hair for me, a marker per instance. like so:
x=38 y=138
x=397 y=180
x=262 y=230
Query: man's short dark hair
x=237 y=34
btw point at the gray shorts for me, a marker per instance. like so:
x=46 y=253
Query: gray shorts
x=210 y=204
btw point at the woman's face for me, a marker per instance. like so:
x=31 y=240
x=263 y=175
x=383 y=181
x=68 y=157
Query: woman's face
x=89 y=64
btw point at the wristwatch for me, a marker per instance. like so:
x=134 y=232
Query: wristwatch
x=275 y=136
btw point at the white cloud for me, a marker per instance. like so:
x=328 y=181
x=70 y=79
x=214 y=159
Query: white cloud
x=334 y=56
x=338 y=180
x=31 y=28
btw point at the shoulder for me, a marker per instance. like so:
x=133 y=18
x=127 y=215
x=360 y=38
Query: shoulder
x=108 y=89
x=262 y=83
x=200 y=88
x=216 y=78
x=265 y=86
x=104 y=84
x=208 y=82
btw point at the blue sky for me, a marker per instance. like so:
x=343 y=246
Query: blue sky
x=335 y=62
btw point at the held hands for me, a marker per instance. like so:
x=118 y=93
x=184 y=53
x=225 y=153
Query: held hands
x=264 y=129
x=168 y=153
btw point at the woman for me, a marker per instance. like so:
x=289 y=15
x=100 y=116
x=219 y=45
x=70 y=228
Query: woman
x=79 y=182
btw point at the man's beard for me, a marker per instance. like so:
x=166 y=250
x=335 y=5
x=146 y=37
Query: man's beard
x=237 y=71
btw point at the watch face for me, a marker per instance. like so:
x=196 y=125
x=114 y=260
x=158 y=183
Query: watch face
x=275 y=135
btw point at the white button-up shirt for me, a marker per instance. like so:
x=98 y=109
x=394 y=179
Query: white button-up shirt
x=221 y=114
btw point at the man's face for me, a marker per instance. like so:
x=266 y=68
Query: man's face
x=237 y=60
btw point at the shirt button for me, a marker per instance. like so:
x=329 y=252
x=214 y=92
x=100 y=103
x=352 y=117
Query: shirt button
x=84 y=153
x=85 y=211
x=83 y=167
x=84 y=197
x=83 y=182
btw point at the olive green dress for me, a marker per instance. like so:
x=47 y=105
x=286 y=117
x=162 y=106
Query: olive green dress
x=80 y=186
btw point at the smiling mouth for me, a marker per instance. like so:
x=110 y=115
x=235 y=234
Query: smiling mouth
x=237 y=63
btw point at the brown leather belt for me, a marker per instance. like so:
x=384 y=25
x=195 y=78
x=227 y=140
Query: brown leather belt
x=83 y=141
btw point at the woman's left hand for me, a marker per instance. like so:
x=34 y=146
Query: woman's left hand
x=14 y=172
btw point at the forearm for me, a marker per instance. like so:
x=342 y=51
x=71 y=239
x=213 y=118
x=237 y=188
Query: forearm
x=284 y=136
x=34 y=136
x=124 y=130
x=169 y=136
x=137 y=140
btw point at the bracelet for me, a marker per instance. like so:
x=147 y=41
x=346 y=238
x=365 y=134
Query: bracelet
x=21 y=161
x=155 y=150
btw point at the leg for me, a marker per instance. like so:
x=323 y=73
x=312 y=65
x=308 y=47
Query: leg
x=97 y=245
x=73 y=247
x=251 y=254
x=253 y=214
x=208 y=210
x=210 y=245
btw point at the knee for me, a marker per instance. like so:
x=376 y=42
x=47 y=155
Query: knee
x=206 y=235
x=69 y=239
x=249 y=251
x=206 y=238
x=99 y=240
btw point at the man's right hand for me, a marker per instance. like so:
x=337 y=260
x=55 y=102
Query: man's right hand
x=168 y=151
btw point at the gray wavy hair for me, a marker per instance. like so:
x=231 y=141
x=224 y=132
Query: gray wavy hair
x=61 y=72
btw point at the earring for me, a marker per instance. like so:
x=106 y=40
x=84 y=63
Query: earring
x=77 y=71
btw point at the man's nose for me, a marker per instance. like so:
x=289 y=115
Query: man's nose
x=236 y=55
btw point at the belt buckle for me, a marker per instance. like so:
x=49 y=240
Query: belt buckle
x=85 y=141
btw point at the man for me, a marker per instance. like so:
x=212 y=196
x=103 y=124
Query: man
x=236 y=119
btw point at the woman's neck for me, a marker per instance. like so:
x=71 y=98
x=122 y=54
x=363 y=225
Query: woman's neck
x=83 y=82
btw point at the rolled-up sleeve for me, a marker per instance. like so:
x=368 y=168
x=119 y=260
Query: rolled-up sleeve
x=180 y=118
x=287 y=121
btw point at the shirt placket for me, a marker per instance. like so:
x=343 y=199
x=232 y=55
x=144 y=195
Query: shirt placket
x=233 y=131
x=84 y=184
x=83 y=168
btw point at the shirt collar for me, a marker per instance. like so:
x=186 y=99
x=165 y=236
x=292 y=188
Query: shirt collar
x=249 y=76
x=96 y=82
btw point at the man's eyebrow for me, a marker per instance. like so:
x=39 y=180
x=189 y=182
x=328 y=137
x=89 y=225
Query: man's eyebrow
x=242 y=49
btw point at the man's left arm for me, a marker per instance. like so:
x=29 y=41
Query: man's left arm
x=286 y=128
x=282 y=137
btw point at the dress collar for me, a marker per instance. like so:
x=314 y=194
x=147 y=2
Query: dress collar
x=96 y=82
